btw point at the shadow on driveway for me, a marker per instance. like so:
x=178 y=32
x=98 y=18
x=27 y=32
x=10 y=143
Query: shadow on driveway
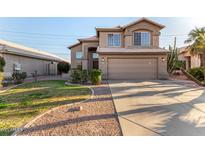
x=163 y=107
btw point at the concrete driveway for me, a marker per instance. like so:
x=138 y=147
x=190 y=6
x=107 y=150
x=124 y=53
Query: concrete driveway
x=159 y=107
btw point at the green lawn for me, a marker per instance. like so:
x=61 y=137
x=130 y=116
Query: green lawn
x=19 y=105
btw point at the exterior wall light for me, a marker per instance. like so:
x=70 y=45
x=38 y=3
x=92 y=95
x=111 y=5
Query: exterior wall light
x=163 y=59
x=102 y=60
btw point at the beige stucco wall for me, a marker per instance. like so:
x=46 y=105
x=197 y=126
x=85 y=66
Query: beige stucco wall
x=103 y=39
x=162 y=65
x=28 y=65
x=74 y=61
x=142 y=26
x=86 y=64
x=84 y=48
x=195 y=61
x=128 y=33
x=183 y=58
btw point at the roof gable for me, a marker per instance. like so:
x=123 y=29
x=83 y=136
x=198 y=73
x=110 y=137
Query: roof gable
x=89 y=39
x=145 y=20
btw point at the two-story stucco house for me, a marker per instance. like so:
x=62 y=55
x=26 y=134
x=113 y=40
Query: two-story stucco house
x=123 y=52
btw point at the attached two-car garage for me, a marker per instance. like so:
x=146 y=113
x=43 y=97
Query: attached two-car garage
x=132 y=68
x=133 y=63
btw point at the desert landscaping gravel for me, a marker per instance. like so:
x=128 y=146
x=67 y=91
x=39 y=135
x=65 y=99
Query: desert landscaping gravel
x=97 y=118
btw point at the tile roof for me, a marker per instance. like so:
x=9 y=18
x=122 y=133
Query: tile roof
x=13 y=48
x=92 y=38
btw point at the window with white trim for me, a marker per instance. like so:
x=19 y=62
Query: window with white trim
x=79 y=55
x=114 y=40
x=142 y=39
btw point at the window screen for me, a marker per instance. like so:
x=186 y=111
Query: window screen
x=142 y=39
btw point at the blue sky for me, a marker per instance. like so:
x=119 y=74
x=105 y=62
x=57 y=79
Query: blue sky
x=55 y=34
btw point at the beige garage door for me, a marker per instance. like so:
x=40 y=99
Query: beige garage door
x=139 y=69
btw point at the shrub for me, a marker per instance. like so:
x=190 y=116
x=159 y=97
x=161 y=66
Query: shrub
x=35 y=75
x=197 y=72
x=1 y=79
x=95 y=76
x=84 y=76
x=63 y=67
x=23 y=75
x=19 y=77
x=178 y=64
x=75 y=76
x=2 y=64
x=7 y=81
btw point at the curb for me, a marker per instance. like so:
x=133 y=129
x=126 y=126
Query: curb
x=15 y=133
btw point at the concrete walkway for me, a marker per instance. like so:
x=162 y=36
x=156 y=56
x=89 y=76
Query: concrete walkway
x=159 y=107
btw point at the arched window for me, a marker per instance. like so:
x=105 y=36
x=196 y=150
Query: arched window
x=142 y=39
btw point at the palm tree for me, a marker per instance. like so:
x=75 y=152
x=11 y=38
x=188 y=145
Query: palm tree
x=196 y=43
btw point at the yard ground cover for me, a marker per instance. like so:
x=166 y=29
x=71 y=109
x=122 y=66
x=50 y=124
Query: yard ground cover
x=21 y=104
x=97 y=118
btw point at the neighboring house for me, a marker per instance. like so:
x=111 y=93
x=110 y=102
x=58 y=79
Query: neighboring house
x=25 y=59
x=123 y=52
x=190 y=60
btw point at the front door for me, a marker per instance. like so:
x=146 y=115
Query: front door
x=95 y=64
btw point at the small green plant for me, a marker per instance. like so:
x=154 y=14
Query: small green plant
x=84 y=76
x=75 y=76
x=7 y=81
x=95 y=76
x=1 y=79
x=179 y=64
x=35 y=75
x=197 y=72
x=2 y=103
x=2 y=64
x=19 y=77
x=1 y=100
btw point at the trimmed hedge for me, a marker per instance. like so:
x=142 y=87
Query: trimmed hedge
x=197 y=72
x=82 y=76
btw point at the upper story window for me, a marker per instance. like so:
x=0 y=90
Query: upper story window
x=142 y=39
x=114 y=40
x=79 y=55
